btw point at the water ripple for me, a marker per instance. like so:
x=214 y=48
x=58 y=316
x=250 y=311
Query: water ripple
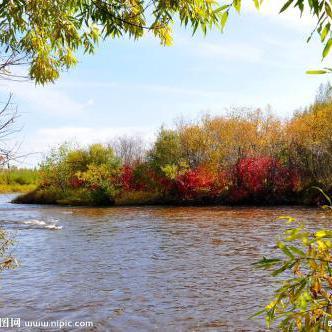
x=143 y=269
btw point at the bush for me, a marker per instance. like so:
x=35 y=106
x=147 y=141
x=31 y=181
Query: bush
x=303 y=301
x=261 y=179
x=199 y=183
x=101 y=197
x=247 y=156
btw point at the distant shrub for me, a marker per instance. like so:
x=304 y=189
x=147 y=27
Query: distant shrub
x=261 y=178
x=19 y=176
x=102 y=197
x=127 y=178
x=21 y=180
x=82 y=175
x=145 y=178
x=247 y=156
x=200 y=182
x=75 y=182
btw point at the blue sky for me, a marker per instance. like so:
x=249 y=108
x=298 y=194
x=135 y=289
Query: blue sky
x=133 y=87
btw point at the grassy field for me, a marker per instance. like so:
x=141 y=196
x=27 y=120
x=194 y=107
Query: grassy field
x=18 y=180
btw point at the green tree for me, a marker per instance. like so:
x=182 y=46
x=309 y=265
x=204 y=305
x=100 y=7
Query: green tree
x=87 y=175
x=46 y=33
x=55 y=170
x=166 y=150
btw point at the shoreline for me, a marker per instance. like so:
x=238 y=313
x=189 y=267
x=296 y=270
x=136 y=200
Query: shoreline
x=33 y=197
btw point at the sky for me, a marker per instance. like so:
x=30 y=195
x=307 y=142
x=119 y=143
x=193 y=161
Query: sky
x=133 y=87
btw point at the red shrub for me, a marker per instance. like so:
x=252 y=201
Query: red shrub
x=127 y=177
x=260 y=176
x=136 y=177
x=200 y=182
x=75 y=182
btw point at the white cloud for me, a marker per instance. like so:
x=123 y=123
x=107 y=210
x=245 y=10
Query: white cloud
x=87 y=135
x=229 y=51
x=47 y=99
x=90 y=102
x=291 y=17
x=175 y=90
x=91 y=84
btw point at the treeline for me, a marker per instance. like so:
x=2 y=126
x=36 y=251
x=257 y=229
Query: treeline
x=247 y=156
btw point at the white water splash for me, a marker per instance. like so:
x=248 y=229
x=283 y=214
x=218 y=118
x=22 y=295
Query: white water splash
x=34 y=222
x=55 y=227
x=42 y=224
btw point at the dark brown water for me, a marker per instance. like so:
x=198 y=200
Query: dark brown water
x=142 y=269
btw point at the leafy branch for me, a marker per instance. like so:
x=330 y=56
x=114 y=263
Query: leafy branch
x=303 y=302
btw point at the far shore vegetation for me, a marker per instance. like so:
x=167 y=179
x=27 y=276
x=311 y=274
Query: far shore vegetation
x=18 y=180
x=245 y=157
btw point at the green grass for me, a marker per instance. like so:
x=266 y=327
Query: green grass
x=18 y=180
x=16 y=188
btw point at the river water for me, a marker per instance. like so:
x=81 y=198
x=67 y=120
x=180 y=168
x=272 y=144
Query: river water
x=142 y=268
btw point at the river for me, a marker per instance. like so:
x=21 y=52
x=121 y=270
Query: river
x=142 y=268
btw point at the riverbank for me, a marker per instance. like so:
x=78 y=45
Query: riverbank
x=72 y=198
x=86 y=198
x=141 y=198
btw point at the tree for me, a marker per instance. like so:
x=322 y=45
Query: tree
x=303 y=301
x=166 y=150
x=321 y=10
x=310 y=143
x=46 y=34
x=8 y=117
x=324 y=93
x=130 y=149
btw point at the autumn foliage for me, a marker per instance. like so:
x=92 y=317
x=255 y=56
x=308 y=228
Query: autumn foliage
x=199 y=183
x=261 y=178
x=246 y=156
x=127 y=178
